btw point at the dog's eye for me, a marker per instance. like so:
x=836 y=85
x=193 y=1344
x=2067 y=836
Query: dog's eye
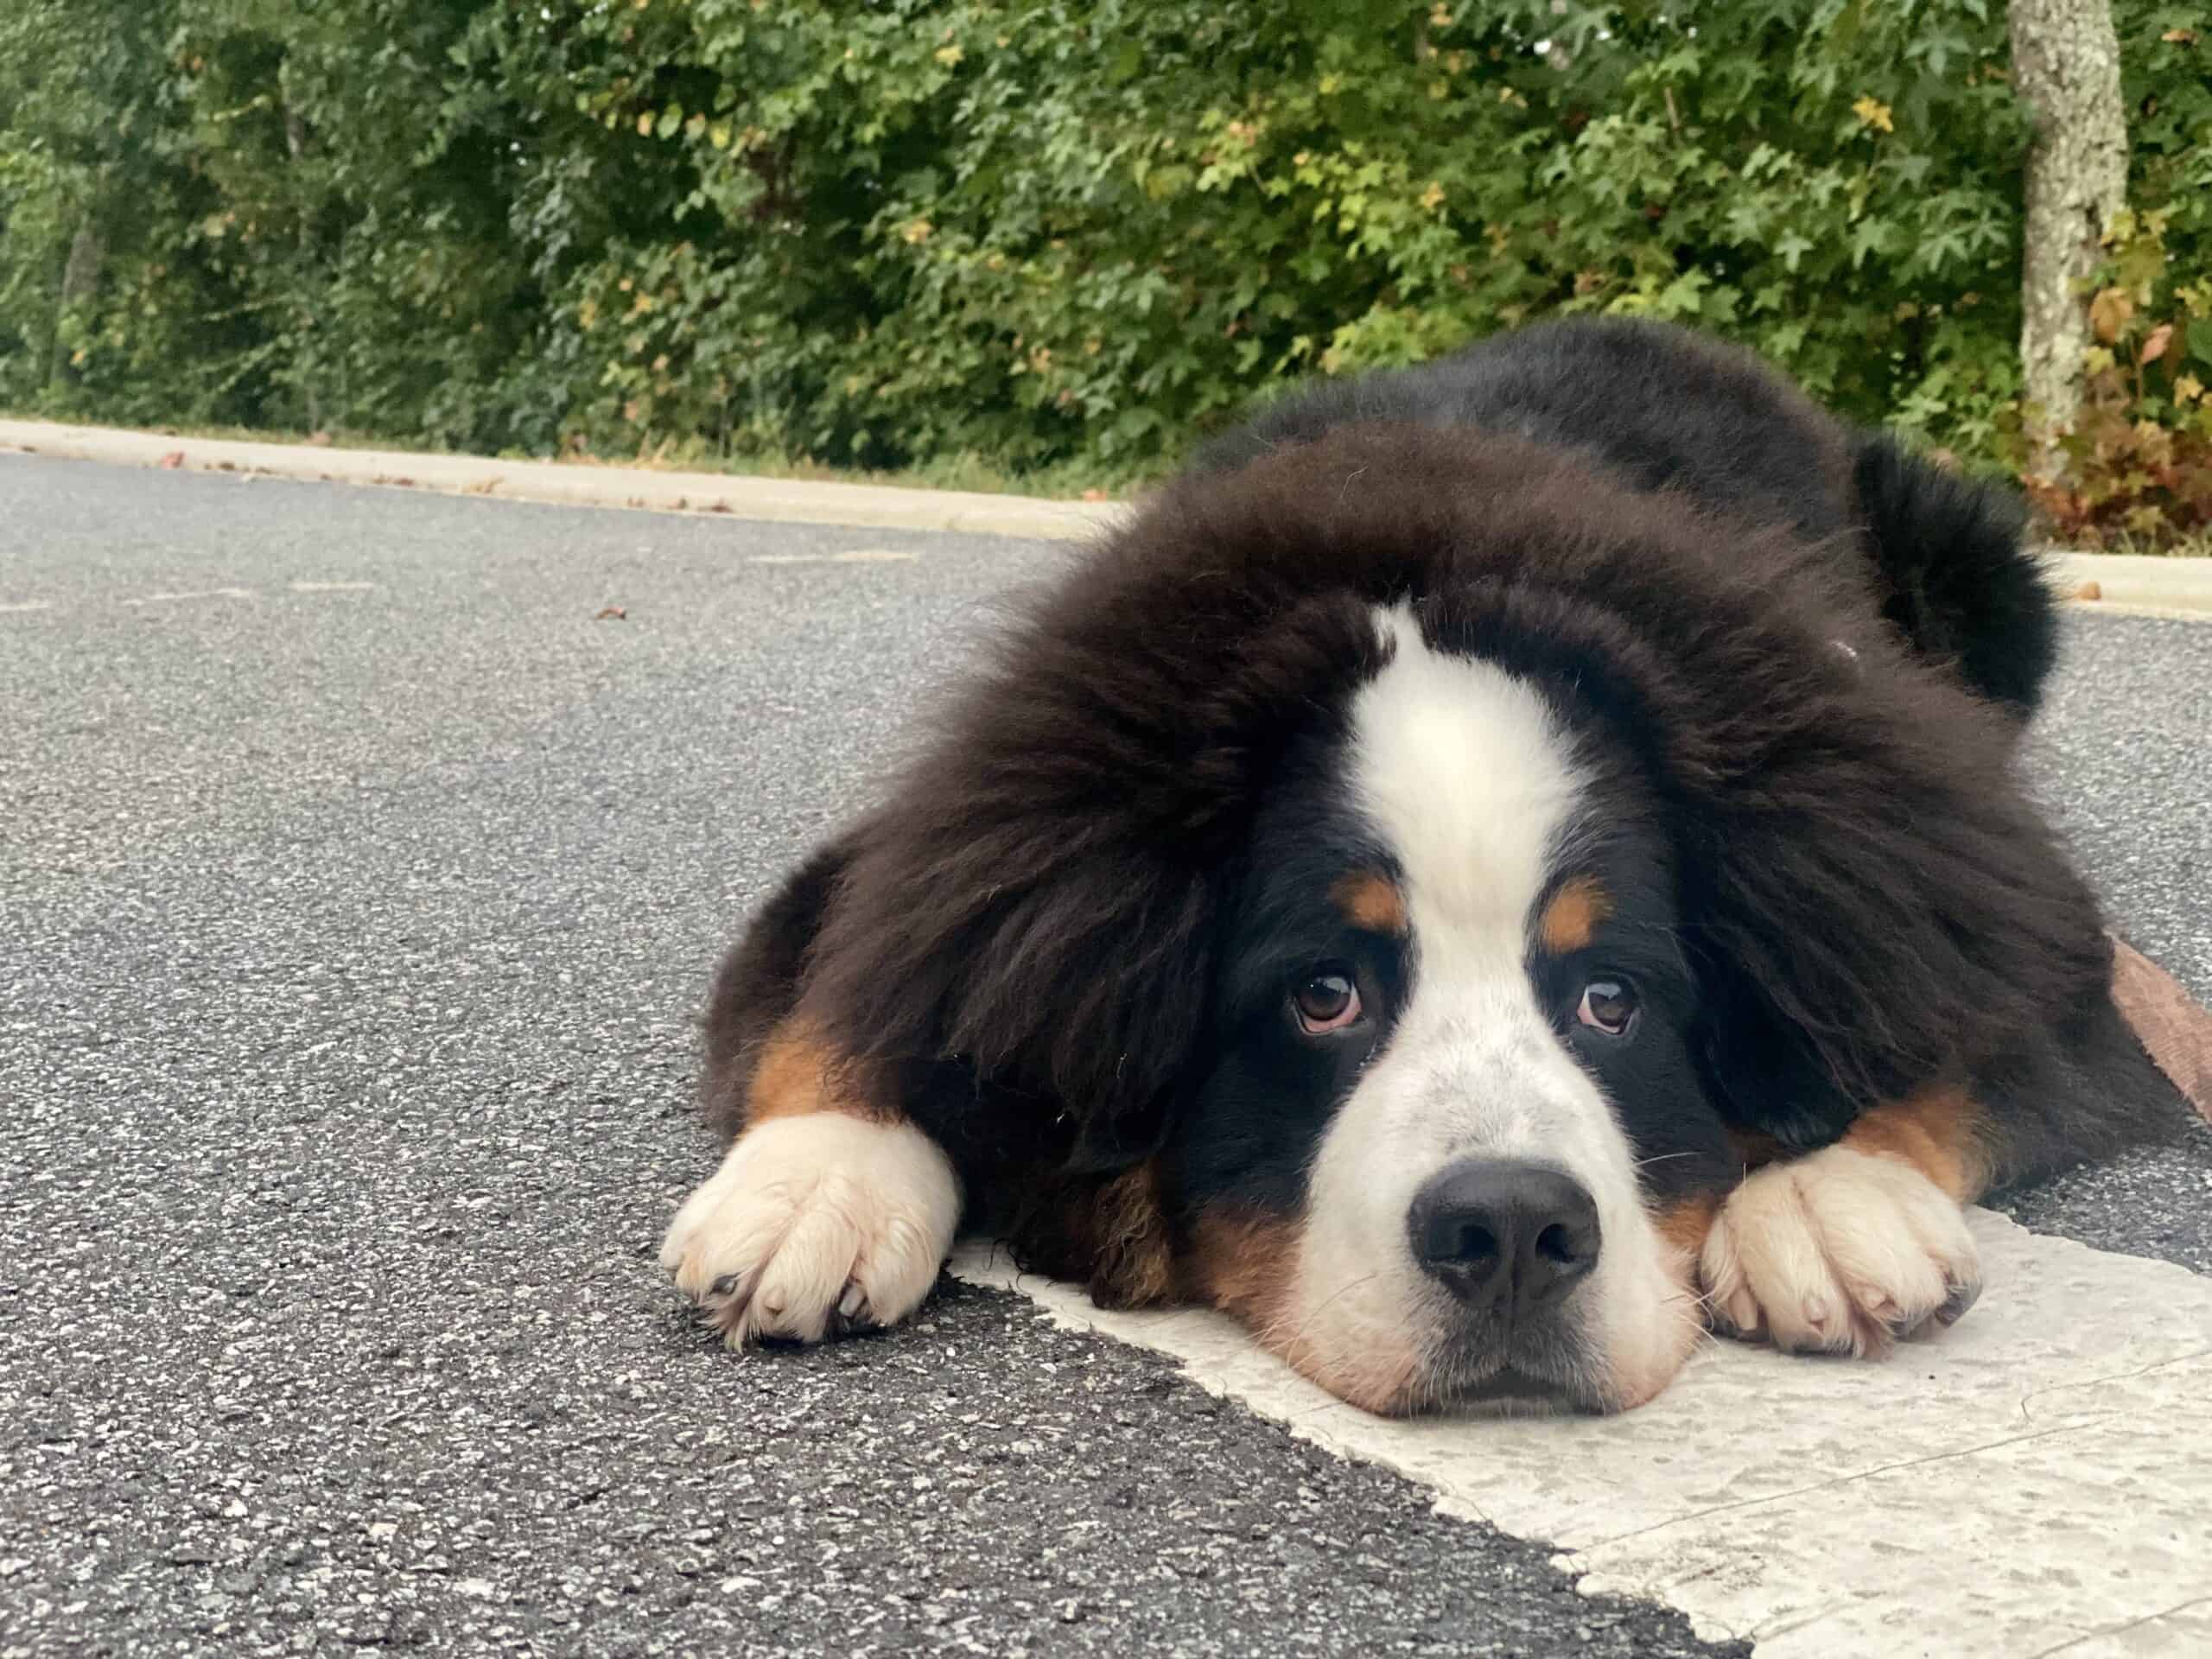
x=1608 y=1006
x=1325 y=1001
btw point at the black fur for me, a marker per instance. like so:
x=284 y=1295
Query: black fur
x=1811 y=650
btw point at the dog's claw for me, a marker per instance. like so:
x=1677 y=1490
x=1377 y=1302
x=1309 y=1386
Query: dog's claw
x=1962 y=1297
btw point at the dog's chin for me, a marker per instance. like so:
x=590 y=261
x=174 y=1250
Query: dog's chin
x=1545 y=1384
x=1555 y=1374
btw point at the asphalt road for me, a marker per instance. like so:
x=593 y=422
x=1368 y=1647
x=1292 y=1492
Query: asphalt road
x=358 y=882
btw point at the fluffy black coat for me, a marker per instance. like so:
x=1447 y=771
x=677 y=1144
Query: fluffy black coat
x=1820 y=649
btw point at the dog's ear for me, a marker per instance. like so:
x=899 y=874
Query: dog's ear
x=1040 y=899
x=1954 y=574
x=1873 y=901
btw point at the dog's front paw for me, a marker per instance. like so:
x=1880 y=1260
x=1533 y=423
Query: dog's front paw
x=1838 y=1252
x=816 y=1225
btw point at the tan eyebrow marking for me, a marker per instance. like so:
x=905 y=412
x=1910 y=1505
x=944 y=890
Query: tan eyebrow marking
x=1372 y=901
x=1570 y=920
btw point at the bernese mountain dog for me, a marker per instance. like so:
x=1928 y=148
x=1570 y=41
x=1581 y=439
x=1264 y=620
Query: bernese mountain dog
x=1501 y=867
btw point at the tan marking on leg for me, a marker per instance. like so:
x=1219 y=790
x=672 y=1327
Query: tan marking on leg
x=1936 y=1131
x=1134 y=1261
x=1570 y=920
x=800 y=1072
x=1371 y=901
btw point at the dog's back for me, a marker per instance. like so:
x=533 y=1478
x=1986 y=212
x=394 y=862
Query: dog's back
x=1674 y=410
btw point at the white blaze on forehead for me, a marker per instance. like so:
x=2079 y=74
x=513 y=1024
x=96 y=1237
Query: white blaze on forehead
x=1468 y=776
x=1465 y=771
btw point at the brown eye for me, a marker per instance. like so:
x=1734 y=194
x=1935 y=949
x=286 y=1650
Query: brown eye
x=1325 y=1001
x=1608 y=1006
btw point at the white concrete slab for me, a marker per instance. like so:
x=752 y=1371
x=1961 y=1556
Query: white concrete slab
x=2037 y=1480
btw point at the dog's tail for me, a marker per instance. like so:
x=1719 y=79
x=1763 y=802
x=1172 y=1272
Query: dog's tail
x=1957 y=578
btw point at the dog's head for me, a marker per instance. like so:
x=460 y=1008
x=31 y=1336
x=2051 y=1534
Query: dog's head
x=1450 y=1095
x=1396 y=867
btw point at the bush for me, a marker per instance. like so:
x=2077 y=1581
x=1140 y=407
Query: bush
x=1060 y=235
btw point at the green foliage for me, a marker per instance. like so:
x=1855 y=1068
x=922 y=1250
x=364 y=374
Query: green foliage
x=1052 y=233
x=2141 y=453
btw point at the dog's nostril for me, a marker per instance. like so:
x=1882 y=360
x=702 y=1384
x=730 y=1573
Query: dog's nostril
x=1473 y=1243
x=1553 y=1245
x=1503 y=1234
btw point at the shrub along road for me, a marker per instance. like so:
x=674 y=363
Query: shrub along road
x=366 y=853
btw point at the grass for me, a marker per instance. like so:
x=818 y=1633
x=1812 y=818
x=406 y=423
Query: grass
x=2195 y=545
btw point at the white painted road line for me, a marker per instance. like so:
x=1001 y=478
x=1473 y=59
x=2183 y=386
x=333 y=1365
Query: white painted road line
x=2037 y=1480
x=203 y=593
x=856 y=555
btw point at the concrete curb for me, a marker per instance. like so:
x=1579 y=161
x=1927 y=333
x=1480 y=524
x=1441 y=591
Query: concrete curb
x=781 y=500
x=2129 y=584
x=2136 y=584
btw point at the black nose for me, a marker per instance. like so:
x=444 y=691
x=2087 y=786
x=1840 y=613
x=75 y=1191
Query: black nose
x=1505 y=1236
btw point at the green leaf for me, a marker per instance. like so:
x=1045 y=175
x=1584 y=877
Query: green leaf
x=1792 y=247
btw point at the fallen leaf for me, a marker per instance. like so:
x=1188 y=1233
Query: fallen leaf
x=2090 y=590
x=172 y=460
x=2154 y=347
x=612 y=614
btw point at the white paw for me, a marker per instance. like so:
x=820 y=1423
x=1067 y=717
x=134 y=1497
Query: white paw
x=813 y=1226
x=1838 y=1252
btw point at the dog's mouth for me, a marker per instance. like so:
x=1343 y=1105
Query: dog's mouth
x=1510 y=1391
x=1536 y=1375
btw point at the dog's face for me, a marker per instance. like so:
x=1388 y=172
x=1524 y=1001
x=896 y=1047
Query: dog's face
x=1454 y=1102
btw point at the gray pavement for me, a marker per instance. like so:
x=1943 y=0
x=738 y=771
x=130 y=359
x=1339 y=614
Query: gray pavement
x=356 y=885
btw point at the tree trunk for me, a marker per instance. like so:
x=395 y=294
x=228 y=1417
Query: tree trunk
x=80 y=278
x=295 y=143
x=2066 y=69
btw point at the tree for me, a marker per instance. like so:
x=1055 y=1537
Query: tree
x=2066 y=69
